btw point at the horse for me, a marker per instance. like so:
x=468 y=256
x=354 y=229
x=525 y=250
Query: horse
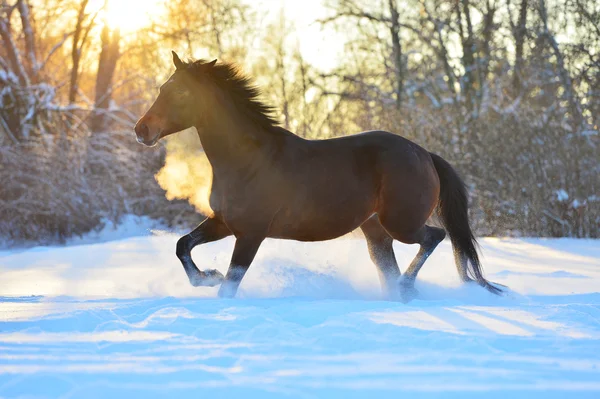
x=270 y=183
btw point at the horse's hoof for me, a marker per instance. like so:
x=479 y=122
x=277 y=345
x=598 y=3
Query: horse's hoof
x=227 y=290
x=408 y=292
x=208 y=278
x=407 y=295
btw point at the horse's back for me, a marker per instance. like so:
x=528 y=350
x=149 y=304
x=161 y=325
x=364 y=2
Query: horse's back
x=378 y=140
x=377 y=150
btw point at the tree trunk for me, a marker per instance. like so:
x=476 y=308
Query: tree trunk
x=565 y=77
x=76 y=53
x=12 y=52
x=520 y=32
x=28 y=35
x=443 y=54
x=488 y=31
x=468 y=47
x=106 y=69
x=397 y=51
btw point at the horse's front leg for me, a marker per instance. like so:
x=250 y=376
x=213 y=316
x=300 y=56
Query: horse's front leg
x=243 y=253
x=209 y=230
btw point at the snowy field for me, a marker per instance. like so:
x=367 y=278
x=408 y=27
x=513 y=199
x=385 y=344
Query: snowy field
x=118 y=319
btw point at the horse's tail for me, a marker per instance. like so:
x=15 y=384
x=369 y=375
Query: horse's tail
x=453 y=211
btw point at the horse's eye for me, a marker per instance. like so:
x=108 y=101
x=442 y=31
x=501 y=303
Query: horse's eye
x=177 y=95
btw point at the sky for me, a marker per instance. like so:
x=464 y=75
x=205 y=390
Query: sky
x=320 y=46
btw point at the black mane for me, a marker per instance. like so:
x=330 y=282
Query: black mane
x=242 y=90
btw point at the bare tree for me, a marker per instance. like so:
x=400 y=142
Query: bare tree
x=469 y=62
x=519 y=31
x=29 y=39
x=107 y=63
x=12 y=53
x=397 y=50
x=80 y=35
x=389 y=20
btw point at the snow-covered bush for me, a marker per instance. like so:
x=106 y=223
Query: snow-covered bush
x=59 y=179
x=67 y=183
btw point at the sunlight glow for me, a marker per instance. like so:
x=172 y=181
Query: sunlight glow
x=128 y=15
x=322 y=46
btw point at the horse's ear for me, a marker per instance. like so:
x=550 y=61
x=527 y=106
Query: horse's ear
x=177 y=61
x=212 y=63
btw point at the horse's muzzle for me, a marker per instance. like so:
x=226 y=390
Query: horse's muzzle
x=144 y=135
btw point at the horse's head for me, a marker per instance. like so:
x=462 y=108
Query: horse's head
x=174 y=108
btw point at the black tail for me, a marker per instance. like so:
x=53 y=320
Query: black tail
x=453 y=211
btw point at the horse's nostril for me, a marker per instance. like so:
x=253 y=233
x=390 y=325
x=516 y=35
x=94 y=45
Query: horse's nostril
x=143 y=129
x=140 y=129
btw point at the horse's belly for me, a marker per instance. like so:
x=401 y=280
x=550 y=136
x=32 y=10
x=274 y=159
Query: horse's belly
x=319 y=231
x=324 y=223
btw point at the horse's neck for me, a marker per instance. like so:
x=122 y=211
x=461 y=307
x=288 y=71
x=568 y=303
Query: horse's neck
x=228 y=147
x=232 y=141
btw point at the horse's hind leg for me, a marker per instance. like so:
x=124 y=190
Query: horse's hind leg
x=428 y=238
x=382 y=255
x=209 y=230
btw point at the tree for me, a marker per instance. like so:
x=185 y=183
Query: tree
x=107 y=63
x=83 y=26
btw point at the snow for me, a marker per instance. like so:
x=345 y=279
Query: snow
x=562 y=195
x=101 y=318
x=128 y=226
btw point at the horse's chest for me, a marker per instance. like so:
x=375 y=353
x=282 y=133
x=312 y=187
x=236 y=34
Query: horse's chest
x=236 y=199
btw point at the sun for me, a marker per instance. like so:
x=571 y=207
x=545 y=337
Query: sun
x=128 y=15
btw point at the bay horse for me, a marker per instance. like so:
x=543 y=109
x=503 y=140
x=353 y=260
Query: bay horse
x=269 y=182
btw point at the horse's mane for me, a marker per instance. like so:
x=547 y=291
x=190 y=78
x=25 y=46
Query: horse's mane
x=242 y=91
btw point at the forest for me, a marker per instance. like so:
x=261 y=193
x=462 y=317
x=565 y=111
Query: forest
x=507 y=90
